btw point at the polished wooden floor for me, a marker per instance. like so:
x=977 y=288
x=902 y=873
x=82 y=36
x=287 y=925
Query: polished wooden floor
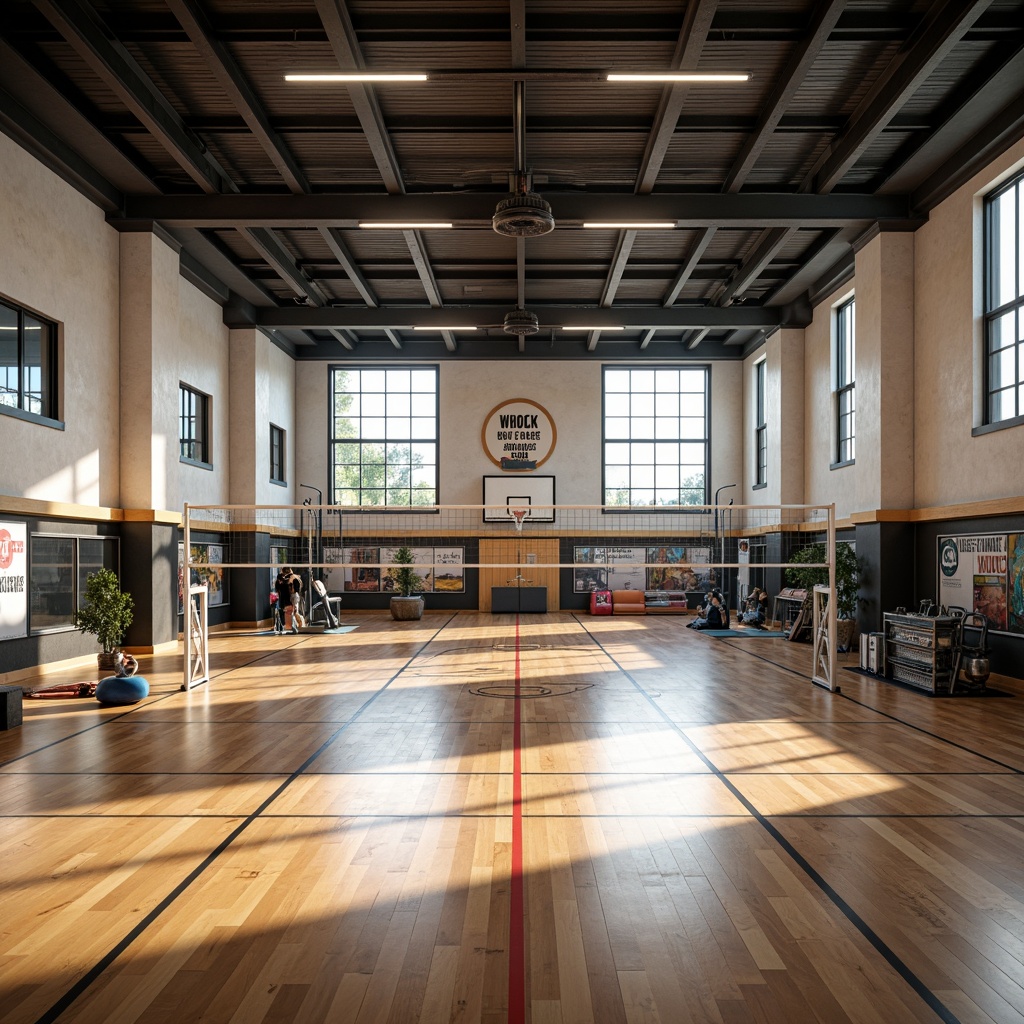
x=557 y=820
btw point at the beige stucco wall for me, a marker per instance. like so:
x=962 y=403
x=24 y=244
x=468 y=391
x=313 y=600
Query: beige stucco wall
x=262 y=391
x=569 y=391
x=884 y=372
x=951 y=465
x=60 y=259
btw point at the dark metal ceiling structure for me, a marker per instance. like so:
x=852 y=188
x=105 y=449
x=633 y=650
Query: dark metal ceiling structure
x=176 y=116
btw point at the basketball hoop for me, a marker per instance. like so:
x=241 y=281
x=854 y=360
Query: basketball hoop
x=518 y=514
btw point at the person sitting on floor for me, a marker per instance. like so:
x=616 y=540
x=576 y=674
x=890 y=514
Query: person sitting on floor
x=713 y=614
x=755 y=610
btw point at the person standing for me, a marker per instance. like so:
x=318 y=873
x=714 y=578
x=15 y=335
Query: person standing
x=295 y=588
x=283 y=586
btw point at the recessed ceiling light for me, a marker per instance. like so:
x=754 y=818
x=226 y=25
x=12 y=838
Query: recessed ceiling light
x=677 y=76
x=594 y=328
x=403 y=225
x=639 y=225
x=356 y=76
x=444 y=328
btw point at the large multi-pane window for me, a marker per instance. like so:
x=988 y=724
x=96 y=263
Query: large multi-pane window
x=845 y=389
x=28 y=362
x=384 y=436
x=761 y=426
x=655 y=435
x=193 y=424
x=59 y=569
x=1004 y=302
x=276 y=454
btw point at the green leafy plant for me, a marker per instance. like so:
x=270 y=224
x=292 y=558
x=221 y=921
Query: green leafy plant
x=106 y=611
x=847 y=574
x=407 y=582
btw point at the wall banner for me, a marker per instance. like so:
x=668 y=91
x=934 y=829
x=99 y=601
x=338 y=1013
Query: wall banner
x=519 y=429
x=13 y=581
x=973 y=574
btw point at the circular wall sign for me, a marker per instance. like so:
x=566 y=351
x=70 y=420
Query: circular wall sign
x=520 y=430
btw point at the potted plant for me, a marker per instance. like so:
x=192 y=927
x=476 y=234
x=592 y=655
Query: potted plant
x=107 y=612
x=406 y=604
x=847 y=583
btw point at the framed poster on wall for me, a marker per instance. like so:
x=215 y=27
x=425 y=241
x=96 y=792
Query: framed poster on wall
x=13 y=576
x=979 y=573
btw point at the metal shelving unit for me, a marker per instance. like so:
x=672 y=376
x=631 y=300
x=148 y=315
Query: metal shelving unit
x=920 y=650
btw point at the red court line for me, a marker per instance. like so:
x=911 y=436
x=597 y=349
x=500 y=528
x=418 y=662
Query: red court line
x=517 y=909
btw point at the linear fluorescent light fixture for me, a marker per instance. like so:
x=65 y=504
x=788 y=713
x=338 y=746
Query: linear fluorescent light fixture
x=404 y=225
x=356 y=76
x=677 y=76
x=594 y=328
x=442 y=327
x=637 y=225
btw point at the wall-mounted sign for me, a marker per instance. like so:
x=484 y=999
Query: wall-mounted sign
x=520 y=431
x=13 y=573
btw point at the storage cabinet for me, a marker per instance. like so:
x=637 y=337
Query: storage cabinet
x=920 y=650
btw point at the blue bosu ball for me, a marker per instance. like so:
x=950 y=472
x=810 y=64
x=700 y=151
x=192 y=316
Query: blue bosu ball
x=122 y=690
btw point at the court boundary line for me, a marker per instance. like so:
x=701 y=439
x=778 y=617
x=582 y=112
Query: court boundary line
x=50 y=1015
x=867 y=932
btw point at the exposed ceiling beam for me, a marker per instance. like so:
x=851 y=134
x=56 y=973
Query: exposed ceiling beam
x=343 y=338
x=984 y=146
x=405 y=318
x=997 y=85
x=687 y=269
x=273 y=251
x=86 y=32
x=765 y=249
x=647 y=338
x=692 y=36
x=224 y=68
x=942 y=29
x=36 y=138
x=697 y=337
x=517 y=24
x=54 y=122
x=208 y=250
x=345 y=44
x=618 y=266
x=474 y=210
x=826 y=15
x=335 y=242
x=753 y=22
x=418 y=249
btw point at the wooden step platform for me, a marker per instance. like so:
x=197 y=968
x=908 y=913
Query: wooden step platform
x=557 y=819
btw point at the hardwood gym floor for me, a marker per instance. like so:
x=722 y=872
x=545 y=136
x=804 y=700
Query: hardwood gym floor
x=370 y=827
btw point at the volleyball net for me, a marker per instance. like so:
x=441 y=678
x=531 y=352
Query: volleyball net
x=459 y=552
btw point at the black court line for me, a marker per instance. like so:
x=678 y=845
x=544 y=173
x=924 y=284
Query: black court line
x=887 y=954
x=105 y=961
x=142 y=705
x=895 y=718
